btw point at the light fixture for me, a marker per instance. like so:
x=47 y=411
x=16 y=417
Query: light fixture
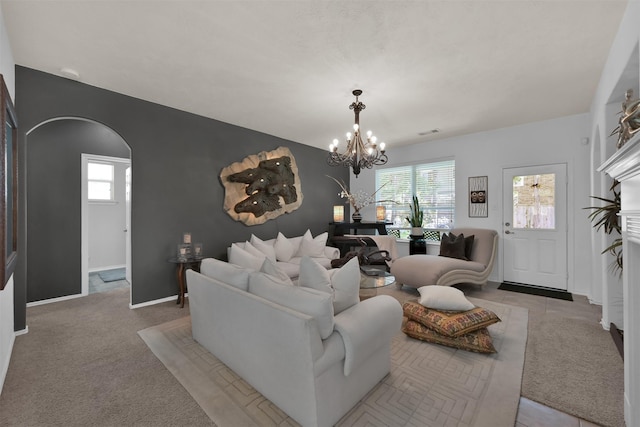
x=358 y=154
x=381 y=213
x=338 y=213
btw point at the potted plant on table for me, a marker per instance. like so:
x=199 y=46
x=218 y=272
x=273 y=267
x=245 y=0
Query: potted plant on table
x=416 y=217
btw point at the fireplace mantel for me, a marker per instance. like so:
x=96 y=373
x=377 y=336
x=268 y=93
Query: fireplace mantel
x=624 y=166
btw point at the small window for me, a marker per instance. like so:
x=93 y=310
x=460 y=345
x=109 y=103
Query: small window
x=100 y=181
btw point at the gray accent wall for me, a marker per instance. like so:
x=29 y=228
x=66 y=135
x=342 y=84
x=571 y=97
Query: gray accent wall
x=176 y=158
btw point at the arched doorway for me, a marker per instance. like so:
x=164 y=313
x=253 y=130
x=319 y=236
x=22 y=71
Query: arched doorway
x=53 y=202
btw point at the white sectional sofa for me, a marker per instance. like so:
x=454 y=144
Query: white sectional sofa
x=287 y=342
x=285 y=251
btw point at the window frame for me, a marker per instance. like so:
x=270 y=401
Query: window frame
x=403 y=230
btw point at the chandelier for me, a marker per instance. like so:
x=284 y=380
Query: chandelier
x=358 y=154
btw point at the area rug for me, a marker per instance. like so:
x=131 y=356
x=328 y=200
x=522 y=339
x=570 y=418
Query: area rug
x=429 y=385
x=112 y=275
x=573 y=365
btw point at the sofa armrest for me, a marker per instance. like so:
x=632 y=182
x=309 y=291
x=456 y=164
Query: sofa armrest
x=331 y=252
x=367 y=326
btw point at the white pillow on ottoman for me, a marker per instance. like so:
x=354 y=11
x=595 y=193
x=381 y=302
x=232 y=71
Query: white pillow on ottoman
x=444 y=298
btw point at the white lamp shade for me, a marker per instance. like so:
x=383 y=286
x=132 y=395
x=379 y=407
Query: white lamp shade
x=381 y=213
x=338 y=213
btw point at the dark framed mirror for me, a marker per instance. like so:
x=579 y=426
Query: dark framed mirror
x=9 y=195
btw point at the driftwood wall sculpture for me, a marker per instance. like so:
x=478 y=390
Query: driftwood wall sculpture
x=262 y=187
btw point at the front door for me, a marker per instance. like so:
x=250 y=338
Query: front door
x=535 y=225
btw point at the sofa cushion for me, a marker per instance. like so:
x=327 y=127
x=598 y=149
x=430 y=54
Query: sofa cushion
x=264 y=247
x=248 y=246
x=292 y=270
x=284 y=248
x=312 y=246
x=314 y=276
x=452 y=246
x=312 y=302
x=450 y=323
x=444 y=298
x=478 y=341
x=343 y=284
x=271 y=268
x=243 y=258
x=225 y=272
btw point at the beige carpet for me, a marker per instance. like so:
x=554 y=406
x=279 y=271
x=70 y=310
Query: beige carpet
x=587 y=383
x=429 y=385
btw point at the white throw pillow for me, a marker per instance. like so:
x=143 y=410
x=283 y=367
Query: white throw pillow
x=267 y=249
x=343 y=284
x=284 y=248
x=253 y=250
x=308 y=301
x=313 y=247
x=444 y=298
x=314 y=276
x=241 y=257
x=269 y=267
x=230 y=274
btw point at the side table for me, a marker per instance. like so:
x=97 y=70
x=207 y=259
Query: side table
x=181 y=267
x=417 y=245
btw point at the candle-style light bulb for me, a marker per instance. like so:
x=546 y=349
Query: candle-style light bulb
x=348 y=135
x=356 y=127
x=369 y=134
x=382 y=145
x=373 y=139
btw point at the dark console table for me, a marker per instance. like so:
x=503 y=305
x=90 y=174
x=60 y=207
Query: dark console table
x=342 y=228
x=337 y=231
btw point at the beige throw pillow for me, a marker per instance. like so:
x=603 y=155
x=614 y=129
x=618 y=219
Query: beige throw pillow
x=444 y=298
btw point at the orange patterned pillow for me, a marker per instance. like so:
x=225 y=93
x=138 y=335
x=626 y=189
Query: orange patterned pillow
x=450 y=323
x=478 y=341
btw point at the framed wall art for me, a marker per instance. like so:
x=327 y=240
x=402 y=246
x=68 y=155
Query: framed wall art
x=9 y=195
x=478 y=197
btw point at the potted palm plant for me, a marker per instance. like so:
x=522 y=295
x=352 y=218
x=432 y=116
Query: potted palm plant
x=416 y=217
x=606 y=217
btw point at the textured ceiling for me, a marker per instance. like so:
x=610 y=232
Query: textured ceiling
x=287 y=68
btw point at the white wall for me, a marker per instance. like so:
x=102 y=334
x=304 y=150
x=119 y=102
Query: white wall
x=487 y=153
x=7 y=335
x=106 y=225
x=621 y=72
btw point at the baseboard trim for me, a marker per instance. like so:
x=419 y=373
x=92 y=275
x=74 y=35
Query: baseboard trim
x=22 y=331
x=5 y=367
x=154 y=302
x=107 y=267
x=536 y=290
x=50 y=300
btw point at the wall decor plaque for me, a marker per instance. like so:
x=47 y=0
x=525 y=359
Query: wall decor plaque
x=262 y=186
x=478 y=196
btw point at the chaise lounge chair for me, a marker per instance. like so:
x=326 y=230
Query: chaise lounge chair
x=422 y=270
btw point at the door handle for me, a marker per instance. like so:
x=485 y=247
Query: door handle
x=509 y=232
